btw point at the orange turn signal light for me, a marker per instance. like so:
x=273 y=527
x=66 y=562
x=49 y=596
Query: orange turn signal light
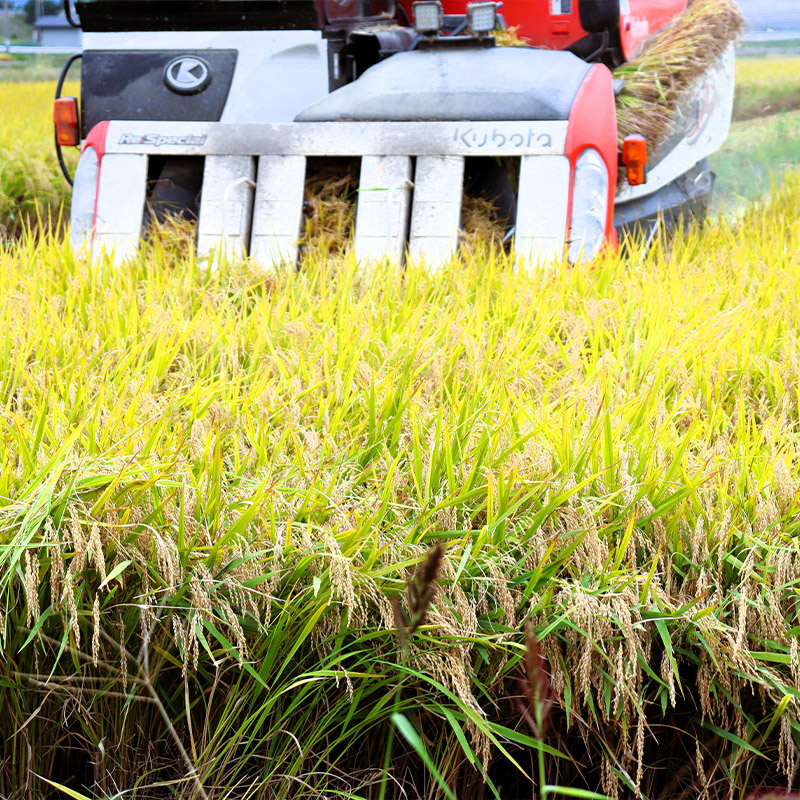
x=65 y=118
x=634 y=158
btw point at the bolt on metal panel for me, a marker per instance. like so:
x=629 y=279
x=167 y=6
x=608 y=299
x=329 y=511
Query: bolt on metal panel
x=226 y=206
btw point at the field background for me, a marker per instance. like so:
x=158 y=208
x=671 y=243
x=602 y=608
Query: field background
x=765 y=136
x=222 y=492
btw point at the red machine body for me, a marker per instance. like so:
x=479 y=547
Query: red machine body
x=640 y=19
x=563 y=24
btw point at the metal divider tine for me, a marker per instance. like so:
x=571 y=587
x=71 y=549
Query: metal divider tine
x=436 y=210
x=120 y=205
x=278 y=210
x=542 y=205
x=383 y=208
x=226 y=206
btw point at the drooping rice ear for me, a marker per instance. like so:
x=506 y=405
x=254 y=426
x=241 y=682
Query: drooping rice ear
x=536 y=700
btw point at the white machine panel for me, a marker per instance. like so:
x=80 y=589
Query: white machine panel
x=502 y=138
x=436 y=211
x=278 y=210
x=294 y=62
x=383 y=206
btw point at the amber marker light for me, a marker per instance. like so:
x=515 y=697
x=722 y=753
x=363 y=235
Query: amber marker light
x=65 y=118
x=634 y=158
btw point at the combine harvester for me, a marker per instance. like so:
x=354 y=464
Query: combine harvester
x=220 y=108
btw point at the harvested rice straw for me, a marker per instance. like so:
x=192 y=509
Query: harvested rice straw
x=510 y=38
x=169 y=240
x=330 y=211
x=480 y=227
x=330 y=206
x=670 y=63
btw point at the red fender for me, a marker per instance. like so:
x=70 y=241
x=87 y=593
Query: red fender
x=640 y=19
x=97 y=140
x=593 y=123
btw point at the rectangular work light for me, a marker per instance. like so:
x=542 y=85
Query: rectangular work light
x=428 y=16
x=481 y=17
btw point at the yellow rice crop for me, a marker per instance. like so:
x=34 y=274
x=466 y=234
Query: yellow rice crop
x=32 y=188
x=767 y=86
x=215 y=487
x=226 y=474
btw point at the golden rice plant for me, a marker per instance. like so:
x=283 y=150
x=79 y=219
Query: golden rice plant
x=32 y=188
x=219 y=492
x=766 y=86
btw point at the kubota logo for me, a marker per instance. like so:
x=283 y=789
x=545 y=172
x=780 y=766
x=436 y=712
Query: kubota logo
x=187 y=75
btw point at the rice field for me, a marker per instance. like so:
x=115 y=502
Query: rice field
x=32 y=188
x=375 y=535
x=767 y=86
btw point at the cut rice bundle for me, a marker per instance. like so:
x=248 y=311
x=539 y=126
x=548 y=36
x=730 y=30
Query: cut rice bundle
x=669 y=65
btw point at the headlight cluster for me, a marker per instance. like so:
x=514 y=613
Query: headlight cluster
x=589 y=207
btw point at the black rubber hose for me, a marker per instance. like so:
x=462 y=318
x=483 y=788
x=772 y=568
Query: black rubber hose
x=68 y=12
x=59 y=86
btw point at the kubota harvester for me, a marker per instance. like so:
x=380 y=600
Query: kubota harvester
x=215 y=107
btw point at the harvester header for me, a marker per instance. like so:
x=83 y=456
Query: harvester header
x=221 y=110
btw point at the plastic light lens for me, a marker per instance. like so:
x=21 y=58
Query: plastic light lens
x=481 y=17
x=65 y=118
x=428 y=16
x=634 y=157
x=84 y=194
x=589 y=207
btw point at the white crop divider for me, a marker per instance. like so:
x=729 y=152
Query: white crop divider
x=278 y=210
x=542 y=203
x=436 y=209
x=120 y=206
x=226 y=207
x=383 y=208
